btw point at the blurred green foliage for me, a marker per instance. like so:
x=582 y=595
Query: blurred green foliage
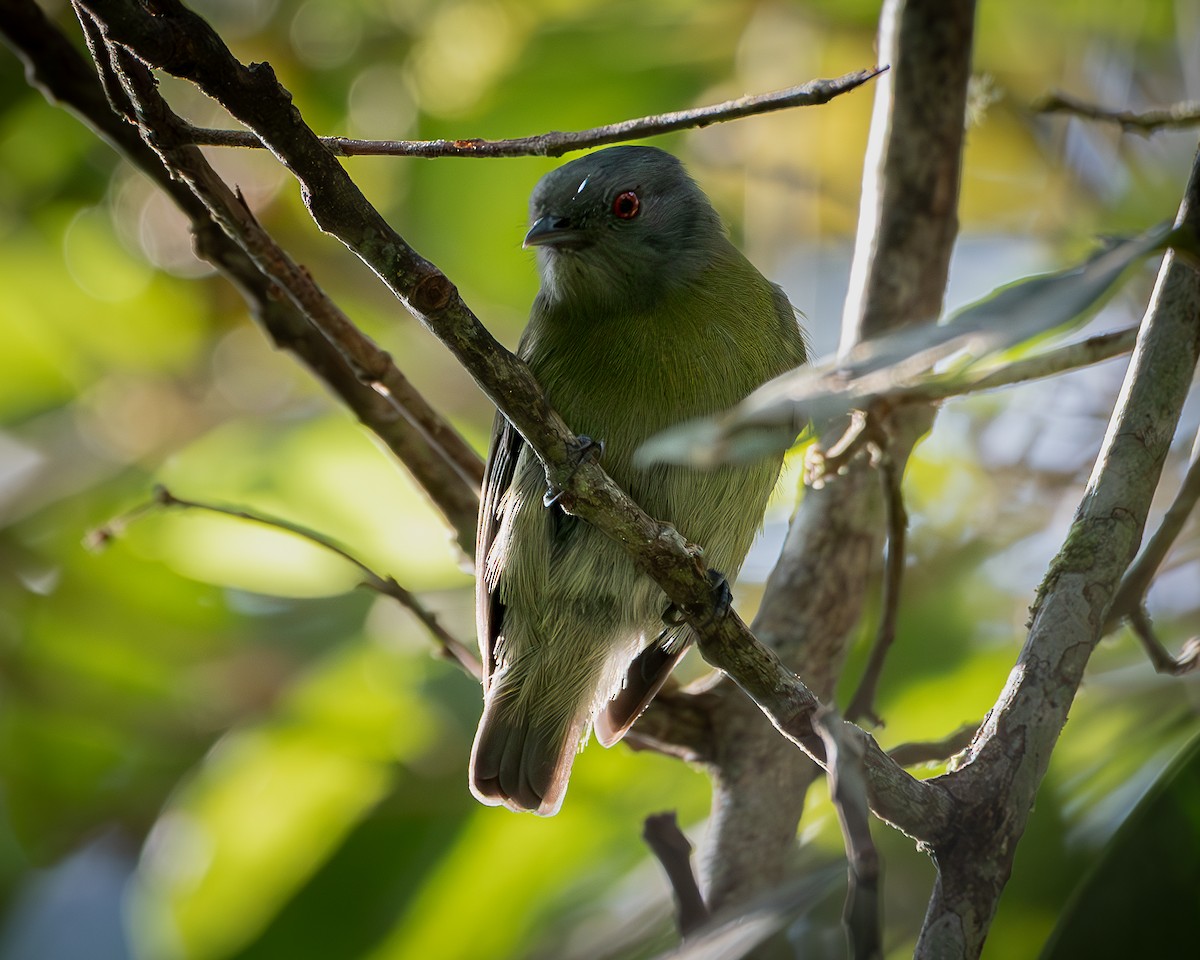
x=273 y=765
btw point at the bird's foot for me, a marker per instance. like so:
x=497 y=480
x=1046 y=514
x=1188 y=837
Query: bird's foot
x=722 y=601
x=585 y=449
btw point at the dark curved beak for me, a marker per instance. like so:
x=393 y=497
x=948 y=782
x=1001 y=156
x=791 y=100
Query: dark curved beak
x=554 y=231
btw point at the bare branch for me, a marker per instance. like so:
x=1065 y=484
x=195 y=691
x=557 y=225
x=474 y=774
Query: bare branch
x=917 y=808
x=863 y=913
x=372 y=365
x=934 y=751
x=912 y=170
x=862 y=703
x=450 y=646
x=1131 y=595
x=180 y=42
x=1145 y=122
x=1071 y=356
x=678 y=723
x=668 y=843
x=557 y=143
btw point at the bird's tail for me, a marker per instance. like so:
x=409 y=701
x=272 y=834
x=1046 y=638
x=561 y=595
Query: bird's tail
x=522 y=759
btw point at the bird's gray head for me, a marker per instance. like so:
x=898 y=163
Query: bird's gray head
x=620 y=226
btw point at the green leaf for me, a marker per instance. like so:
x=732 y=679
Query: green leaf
x=1142 y=898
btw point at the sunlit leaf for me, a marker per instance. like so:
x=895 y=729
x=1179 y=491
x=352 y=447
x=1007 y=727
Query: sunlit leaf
x=1142 y=898
x=270 y=804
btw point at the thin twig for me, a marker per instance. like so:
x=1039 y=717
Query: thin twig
x=1188 y=659
x=1071 y=356
x=821 y=464
x=862 y=914
x=934 y=751
x=556 y=143
x=862 y=703
x=1145 y=122
x=450 y=647
x=1131 y=594
x=673 y=850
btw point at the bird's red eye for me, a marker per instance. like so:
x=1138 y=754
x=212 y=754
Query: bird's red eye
x=626 y=205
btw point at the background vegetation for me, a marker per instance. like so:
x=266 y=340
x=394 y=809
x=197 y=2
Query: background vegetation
x=211 y=746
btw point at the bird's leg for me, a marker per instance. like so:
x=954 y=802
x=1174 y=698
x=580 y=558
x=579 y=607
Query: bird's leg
x=585 y=448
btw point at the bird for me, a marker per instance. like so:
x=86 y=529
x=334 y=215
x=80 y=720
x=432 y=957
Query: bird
x=646 y=315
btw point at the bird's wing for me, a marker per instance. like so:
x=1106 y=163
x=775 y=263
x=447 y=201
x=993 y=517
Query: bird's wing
x=643 y=680
x=497 y=478
x=794 y=335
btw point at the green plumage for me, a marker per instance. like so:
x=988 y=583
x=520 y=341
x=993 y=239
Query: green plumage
x=642 y=320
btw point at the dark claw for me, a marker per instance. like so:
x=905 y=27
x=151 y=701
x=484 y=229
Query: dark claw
x=589 y=448
x=722 y=601
x=585 y=448
x=722 y=594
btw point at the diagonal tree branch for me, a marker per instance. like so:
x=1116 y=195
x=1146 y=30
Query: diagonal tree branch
x=678 y=723
x=162 y=128
x=180 y=42
x=934 y=751
x=862 y=703
x=1070 y=356
x=1003 y=768
x=1187 y=661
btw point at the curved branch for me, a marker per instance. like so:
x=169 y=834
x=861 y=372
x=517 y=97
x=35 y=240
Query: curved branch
x=862 y=702
x=450 y=646
x=934 y=751
x=673 y=850
x=1070 y=356
x=863 y=912
x=1187 y=661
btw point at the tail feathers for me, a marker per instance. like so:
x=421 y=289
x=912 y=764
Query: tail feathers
x=520 y=762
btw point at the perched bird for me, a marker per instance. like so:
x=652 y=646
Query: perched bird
x=647 y=315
